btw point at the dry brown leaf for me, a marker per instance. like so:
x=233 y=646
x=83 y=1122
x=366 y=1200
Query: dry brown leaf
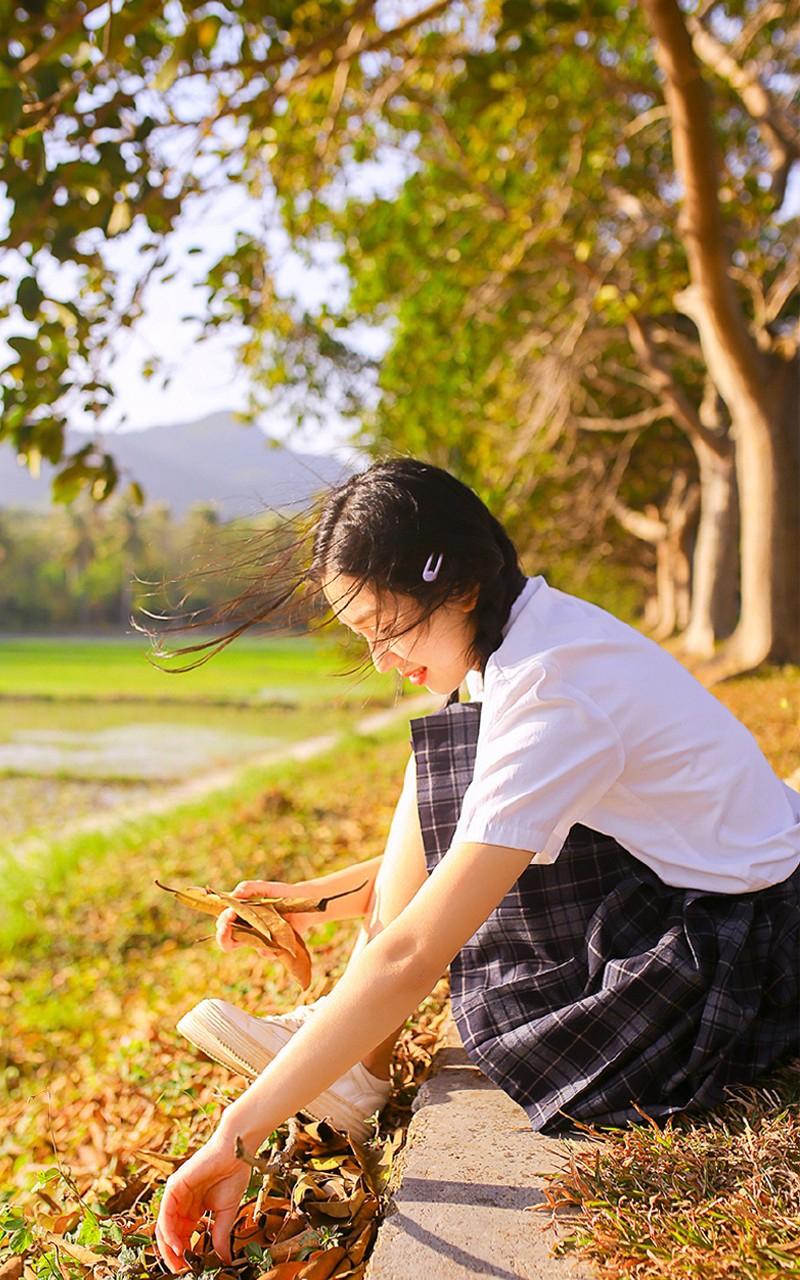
x=262 y=919
x=358 y=1249
x=126 y=1196
x=334 y=1208
x=321 y=1266
x=283 y=1250
x=158 y=1161
x=283 y=1271
x=203 y=898
x=77 y=1251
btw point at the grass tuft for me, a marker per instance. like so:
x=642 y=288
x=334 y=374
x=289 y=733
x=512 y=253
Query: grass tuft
x=716 y=1197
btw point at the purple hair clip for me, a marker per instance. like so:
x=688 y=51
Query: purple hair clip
x=431 y=571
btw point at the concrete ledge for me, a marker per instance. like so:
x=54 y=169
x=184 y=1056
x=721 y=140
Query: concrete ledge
x=466 y=1175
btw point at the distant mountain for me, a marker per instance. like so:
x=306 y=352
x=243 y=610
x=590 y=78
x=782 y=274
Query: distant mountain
x=216 y=459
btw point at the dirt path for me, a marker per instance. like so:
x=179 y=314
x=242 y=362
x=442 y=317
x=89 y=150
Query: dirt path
x=219 y=779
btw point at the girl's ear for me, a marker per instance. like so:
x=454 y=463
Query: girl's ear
x=468 y=601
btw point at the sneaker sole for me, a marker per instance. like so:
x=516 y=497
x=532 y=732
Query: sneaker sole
x=210 y=1026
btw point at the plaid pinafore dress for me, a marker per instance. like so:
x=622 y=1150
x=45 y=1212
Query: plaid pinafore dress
x=594 y=988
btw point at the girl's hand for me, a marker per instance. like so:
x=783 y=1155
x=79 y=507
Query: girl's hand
x=301 y=920
x=213 y=1178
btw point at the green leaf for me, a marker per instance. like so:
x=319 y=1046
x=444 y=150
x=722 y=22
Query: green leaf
x=89 y=1231
x=29 y=297
x=69 y=482
x=11 y=101
x=165 y=76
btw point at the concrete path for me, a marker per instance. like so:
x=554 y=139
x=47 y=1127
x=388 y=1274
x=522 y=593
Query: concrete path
x=468 y=1173
x=206 y=783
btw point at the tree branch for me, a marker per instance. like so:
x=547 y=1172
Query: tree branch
x=781 y=135
x=69 y=26
x=782 y=290
x=633 y=422
x=670 y=390
x=648 y=528
x=309 y=65
x=764 y=14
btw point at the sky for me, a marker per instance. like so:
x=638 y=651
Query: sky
x=204 y=377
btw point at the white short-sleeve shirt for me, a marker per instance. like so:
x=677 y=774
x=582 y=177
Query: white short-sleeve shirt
x=586 y=720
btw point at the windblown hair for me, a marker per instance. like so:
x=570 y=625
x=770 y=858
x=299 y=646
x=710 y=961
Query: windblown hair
x=380 y=528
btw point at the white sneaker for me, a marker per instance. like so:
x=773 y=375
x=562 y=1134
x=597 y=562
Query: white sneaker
x=296 y=1017
x=246 y=1044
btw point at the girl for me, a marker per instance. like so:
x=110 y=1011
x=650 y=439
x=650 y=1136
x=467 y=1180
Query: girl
x=595 y=846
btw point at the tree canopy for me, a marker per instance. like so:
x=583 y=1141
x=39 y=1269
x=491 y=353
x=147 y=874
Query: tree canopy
x=583 y=264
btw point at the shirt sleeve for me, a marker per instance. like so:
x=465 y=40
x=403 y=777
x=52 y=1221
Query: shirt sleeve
x=546 y=754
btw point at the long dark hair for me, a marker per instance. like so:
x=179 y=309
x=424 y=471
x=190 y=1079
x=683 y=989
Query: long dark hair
x=382 y=527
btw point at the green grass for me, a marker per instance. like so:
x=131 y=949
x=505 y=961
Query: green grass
x=296 y=670
x=98 y=1091
x=288 y=723
x=35 y=891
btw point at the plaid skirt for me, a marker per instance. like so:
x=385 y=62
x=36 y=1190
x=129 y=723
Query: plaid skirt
x=594 y=988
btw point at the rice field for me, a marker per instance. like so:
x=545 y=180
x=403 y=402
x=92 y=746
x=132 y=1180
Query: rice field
x=87 y=724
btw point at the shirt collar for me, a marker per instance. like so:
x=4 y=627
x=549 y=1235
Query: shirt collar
x=529 y=589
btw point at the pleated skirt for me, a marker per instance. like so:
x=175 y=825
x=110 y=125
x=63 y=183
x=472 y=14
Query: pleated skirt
x=597 y=993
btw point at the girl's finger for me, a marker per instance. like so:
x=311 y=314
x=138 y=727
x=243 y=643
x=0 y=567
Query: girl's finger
x=221 y=1232
x=169 y=1254
x=224 y=927
x=243 y=888
x=177 y=1219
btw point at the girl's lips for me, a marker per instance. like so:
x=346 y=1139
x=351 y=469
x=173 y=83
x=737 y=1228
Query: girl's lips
x=418 y=676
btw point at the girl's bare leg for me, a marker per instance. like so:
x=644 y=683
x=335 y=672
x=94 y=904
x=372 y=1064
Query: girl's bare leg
x=401 y=873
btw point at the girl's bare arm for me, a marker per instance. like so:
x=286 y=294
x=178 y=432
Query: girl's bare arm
x=380 y=989
x=354 y=905
x=341 y=881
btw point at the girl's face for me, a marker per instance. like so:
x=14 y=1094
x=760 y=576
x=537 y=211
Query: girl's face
x=433 y=653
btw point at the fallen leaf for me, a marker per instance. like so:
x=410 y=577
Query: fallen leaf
x=125 y=1197
x=283 y=1250
x=322 y=1265
x=358 y=1249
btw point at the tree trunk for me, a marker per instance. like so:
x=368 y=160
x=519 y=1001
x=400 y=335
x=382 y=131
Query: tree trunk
x=759 y=388
x=715 y=570
x=768 y=470
x=786 y=563
x=671 y=532
x=674 y=560
x=664 y=613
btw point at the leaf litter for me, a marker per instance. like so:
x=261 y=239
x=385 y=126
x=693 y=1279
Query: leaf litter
x=311 y=1211
x=118 y=1112
x=100 y=1103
